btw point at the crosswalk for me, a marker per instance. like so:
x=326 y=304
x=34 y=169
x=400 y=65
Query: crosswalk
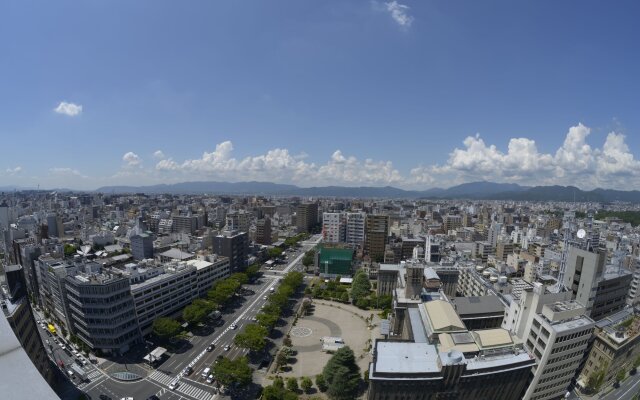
x=94 y=374
x=183 y=387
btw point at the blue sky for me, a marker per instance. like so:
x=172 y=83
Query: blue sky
x=412 y=94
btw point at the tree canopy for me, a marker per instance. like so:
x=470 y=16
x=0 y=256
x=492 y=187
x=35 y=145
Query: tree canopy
x=361 y=287
x=236 y=371
x=194 y=314
x=342 y=375
x=166 y=328
x=253 y=337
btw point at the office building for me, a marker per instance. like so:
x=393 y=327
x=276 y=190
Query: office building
x=306 y=216
x=101 y=310
x=377 y=231
x=141 y=246
x=603 y=289
x=238 y=220
x=160 y=291
x=432 y=249
x=19 y=315
x=442 y=359
x=558 y=339
x=233 y=245
x=334 y=227
x=263 y=231
x=615 y=348
x=185 y=223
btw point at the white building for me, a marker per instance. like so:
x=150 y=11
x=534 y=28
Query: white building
x=558 y=339
x=334 y=227
x=355 y=228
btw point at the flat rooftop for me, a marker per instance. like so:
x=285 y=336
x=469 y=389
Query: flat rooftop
x=406 y=357
x=443 y=317
x=477 y=305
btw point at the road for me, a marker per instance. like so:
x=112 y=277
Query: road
x=629 y=388
x=194 y=386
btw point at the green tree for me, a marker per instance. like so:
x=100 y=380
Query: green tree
x=194 y=314
x=292 y=384
x=69 y=250
x=342 y=374
x=321 y=383
x=344 y=297
x=240 y=277
x=267 y=320
x=274 y=252
x=166 y=328
x=306 y=384
x=309 y=258
x=281 y=359
x=361 y=287
x=253 y=270
x=229 y=372
x=253 y=337
x=596 y=379
x=621 y=375
x=363 y=303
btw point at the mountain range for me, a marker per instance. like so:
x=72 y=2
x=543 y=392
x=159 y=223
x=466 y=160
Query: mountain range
x=474 y=190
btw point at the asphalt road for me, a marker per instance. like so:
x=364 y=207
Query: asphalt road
x=194 y=386
x=629 y=388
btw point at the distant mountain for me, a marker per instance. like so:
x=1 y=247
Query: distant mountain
x=204 y=187
x=473 y=190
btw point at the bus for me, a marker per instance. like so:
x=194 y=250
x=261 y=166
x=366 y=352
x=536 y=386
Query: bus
x=51 y=328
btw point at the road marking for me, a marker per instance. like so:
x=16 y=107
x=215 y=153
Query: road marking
x=628 y=390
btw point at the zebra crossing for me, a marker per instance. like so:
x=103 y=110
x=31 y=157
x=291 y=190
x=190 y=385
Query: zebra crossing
x=94 y=374
x=183 y=387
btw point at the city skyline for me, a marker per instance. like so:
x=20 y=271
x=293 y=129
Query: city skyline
x=409 y=94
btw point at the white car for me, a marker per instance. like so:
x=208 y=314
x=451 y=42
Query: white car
x=210 y=379
x=74 y=351
x=233 y=326
x=173 y=385
x=63 y=346
x=227 y=347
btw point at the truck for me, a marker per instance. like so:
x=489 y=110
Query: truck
x=79 y=371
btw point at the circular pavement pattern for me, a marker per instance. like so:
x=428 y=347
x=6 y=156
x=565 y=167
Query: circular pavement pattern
x=301 y=331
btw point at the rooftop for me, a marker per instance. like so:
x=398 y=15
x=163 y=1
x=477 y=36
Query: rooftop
x=442 y=317
x=406 y=357
x=477 y=305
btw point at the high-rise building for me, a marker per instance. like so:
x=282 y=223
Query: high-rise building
x=17 y=310
x=377 y=231
x=238 y=220
x=306 y=216
x=141 y=246
x=602 y=289
x=355 y=231
x=233 y=245
x=432 y=249
x=558 y=339
x=101 y=311
x=263 y=231
x=185 y=223
x=334 y=227
x=54 y=224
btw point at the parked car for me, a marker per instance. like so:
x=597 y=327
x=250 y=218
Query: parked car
x=210 y=379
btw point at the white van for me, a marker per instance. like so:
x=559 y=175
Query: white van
x=205 y=373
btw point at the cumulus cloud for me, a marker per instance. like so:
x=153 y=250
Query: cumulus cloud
x=399 y=13
x=14 y=171
x=69 y=109
x=159 y=154
x=279 y=165
x=131 y=159
x=574 y=162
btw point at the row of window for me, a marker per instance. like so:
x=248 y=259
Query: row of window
x=569 y=346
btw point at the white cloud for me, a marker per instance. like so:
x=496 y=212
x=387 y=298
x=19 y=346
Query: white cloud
x=131 y=159
x=14 y=171
x=64 y=171
x=159 y=154
x=69 y=109
x=399 y=13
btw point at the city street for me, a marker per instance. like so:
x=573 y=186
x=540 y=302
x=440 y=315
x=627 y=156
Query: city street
x=194 y=386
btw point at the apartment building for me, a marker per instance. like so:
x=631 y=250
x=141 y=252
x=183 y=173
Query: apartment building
x=355 y=231
x=334 y=227
x=377 y=231
x=306 y=216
